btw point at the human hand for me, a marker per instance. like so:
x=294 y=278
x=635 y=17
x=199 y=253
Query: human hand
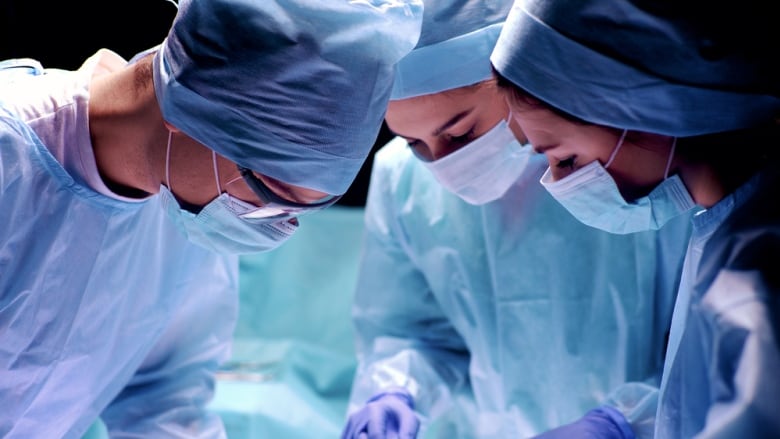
x=604 y=422
x=387 y=415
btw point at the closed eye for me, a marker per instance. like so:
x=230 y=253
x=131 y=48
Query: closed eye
x=420 y=149
x=463 y=138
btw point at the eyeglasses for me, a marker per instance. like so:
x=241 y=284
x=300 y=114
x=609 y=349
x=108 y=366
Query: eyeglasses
x=275 y=206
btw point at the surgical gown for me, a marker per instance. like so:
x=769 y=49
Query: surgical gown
x=105 y=308
x=722 y=377
x=507 y=319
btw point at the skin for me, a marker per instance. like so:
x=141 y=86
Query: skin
x=438 y=124
x=638 y=166
x=130 y=140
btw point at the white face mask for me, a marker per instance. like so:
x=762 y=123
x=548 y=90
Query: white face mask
x=219 y=226
x=593 y=197
x=484 y=169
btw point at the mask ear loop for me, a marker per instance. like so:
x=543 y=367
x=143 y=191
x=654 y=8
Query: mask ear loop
x=617 y=148
x=231 y=200
x=235 y=179
x=216 y=176
x=669 y=160
x=216 y=171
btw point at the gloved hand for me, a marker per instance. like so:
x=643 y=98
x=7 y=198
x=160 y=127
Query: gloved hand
x=604 y=422
x=387 y=415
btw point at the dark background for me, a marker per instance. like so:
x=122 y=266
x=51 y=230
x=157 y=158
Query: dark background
x=62 y=34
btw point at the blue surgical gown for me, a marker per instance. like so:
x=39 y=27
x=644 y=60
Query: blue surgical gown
x=105 y=308
x=511 y=318
x=722 y=377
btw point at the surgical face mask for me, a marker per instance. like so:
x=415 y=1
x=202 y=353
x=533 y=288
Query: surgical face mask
x=593 y=197
x=219 y=226
x=484 y=169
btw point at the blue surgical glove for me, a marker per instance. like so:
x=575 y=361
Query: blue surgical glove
x=387 y=415
x=604 y=422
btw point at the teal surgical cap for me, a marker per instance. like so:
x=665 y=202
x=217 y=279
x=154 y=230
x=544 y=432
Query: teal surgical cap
x=677 y=68
x=454 y=49
x=292 y=89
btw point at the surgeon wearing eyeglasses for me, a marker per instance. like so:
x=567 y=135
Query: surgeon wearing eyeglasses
x=127 y=188
x=243 y=211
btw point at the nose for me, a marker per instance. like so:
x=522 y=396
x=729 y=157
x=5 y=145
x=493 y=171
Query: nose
x=542 y=149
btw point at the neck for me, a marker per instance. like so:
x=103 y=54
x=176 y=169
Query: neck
x=711 y=179
x=703 y=184
x=126 y=129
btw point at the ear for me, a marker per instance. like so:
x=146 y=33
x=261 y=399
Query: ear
x=170 y=127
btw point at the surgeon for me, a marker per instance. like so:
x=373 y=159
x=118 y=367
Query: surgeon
x=483 y=309
x=128 y=188
x=676 y=110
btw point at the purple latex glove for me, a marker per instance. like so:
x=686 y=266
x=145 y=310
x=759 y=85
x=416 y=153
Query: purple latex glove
x=387 y=415
x=604 y=422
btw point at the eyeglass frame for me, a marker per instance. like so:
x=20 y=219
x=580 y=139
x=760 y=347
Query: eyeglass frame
x=271 y=200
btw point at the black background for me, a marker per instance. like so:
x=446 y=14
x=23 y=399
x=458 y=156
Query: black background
x=62 y=34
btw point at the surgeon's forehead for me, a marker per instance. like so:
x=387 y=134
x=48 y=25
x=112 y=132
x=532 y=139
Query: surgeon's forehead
x=443 y=105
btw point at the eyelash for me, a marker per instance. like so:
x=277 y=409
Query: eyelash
x=454 y=141
x=469 y=135
x=566 y=163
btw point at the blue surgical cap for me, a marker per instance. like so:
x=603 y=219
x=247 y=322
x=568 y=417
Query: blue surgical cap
x=674 y=68
x=292 y=89
x=456 y=40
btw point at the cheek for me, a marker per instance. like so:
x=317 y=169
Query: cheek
x=238 y=188
x=636 y=180
x=233 y=183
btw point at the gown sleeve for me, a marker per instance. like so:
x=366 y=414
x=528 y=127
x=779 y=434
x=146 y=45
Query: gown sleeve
x=403 y=338
x=169 y=393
